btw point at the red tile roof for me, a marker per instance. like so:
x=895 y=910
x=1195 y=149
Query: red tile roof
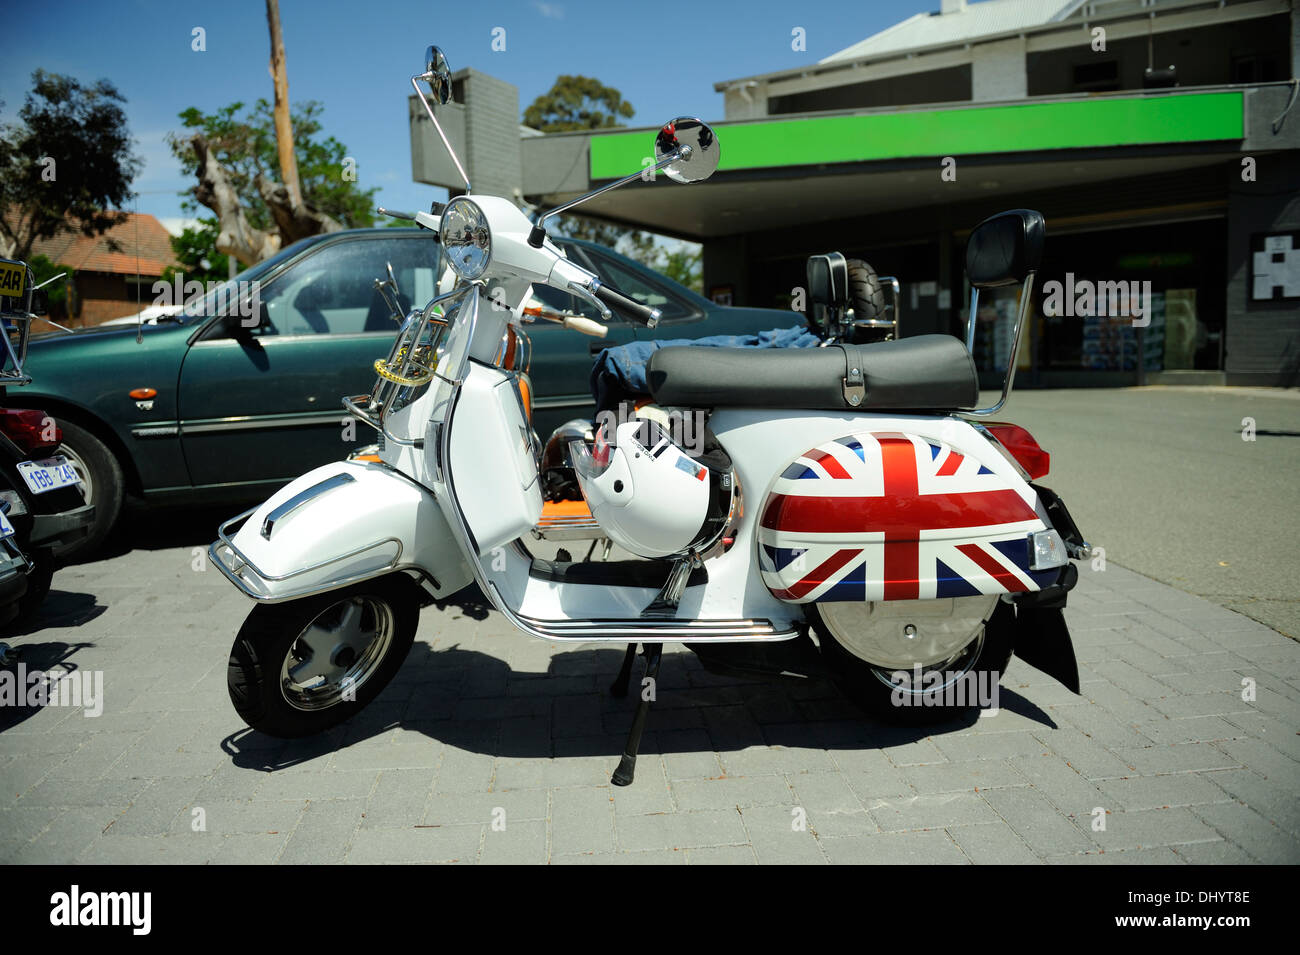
x=138 y=244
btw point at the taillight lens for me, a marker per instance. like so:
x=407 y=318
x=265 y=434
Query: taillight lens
x=34 y=432
x=588 y=464
x=1020 y=444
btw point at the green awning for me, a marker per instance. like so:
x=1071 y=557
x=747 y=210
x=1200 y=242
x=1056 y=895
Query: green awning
x=1021 y=127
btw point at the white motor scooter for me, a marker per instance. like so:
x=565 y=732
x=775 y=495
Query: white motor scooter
x=841 y=490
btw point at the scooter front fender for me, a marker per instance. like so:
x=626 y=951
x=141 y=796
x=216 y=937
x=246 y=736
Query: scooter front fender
x=339 y=524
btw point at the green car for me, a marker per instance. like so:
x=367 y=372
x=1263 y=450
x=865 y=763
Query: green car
x=200 y=409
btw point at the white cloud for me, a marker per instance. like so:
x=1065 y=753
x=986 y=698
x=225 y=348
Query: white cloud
x=552 y=11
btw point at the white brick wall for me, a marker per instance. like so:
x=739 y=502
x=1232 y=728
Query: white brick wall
x=998 y=70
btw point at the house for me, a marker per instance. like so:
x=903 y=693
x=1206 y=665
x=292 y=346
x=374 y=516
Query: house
x=112 y=274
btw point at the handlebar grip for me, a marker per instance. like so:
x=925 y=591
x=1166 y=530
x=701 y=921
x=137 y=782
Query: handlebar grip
x=641 y=314
x=586 y=326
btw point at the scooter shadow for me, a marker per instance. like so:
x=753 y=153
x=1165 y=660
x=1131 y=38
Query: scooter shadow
x=475 y=702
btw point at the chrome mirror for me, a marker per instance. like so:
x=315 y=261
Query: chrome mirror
x=438 y=75
x=691 y=148
x=685 y=149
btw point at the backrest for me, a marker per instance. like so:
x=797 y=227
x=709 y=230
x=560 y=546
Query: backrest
x=828 y=280
x=1005 y=248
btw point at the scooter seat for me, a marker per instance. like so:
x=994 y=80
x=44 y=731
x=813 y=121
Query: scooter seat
x=924 y=373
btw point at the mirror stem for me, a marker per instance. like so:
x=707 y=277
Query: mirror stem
x=52 y=278
x=438 y=126
x=537 y=237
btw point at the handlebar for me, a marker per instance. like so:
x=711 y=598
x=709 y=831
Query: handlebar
x=629 y=307
x=585 y=325
x=576 y=322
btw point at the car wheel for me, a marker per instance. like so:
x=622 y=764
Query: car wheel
x=101 y=484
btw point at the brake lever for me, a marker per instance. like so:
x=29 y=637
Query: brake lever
x=589 y=297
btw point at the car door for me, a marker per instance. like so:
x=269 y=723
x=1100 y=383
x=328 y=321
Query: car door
x=265 y=406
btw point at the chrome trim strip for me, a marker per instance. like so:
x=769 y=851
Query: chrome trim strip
x=259 y=422
x=659 y=630
x=301 y=498
x=570 y=402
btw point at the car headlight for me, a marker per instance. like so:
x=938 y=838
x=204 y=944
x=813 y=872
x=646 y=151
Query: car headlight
x=465 y=237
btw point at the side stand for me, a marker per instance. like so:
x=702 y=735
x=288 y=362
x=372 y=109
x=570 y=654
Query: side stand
x=627 y=765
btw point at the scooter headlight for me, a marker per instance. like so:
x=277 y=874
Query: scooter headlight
x=466 y=238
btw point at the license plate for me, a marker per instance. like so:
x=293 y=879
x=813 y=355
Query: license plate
x=48 y=475
x=6 y=529
x=13 y=278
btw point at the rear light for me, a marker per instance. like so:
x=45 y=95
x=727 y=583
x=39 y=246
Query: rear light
x=587 y=464
x=33 y=431
x=1020 y=444
x=600 y=450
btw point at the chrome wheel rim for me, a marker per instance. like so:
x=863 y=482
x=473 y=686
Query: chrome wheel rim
x=335 y=654
x=83 y=472
x=900 y=635
x=954 y=669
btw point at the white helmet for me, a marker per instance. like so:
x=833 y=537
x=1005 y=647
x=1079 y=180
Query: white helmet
x=647 y=494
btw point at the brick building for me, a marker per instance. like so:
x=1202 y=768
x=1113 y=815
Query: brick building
x=112 y=274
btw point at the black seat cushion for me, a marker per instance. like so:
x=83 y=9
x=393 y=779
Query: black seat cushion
x=925 y=373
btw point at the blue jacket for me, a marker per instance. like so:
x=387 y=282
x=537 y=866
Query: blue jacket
x=620 y=372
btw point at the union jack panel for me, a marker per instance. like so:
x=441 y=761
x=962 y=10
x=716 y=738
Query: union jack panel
x=891 y=516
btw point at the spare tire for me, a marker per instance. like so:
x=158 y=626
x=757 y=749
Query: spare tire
x=867 y=299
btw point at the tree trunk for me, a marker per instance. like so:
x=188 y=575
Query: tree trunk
x=283 y=124
x=294 y=221
x=235 y=236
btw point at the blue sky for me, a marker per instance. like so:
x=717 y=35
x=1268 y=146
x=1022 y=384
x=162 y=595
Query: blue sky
x=356 y=59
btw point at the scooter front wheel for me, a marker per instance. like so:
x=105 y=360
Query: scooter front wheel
x=303 y=666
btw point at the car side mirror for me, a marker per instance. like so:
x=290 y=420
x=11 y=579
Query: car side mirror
x=236 y=325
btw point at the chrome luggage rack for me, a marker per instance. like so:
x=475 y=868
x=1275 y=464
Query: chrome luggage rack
x=411 y=364
x=16 y=316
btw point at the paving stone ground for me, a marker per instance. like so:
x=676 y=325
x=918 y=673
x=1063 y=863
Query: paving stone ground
x=492 y=747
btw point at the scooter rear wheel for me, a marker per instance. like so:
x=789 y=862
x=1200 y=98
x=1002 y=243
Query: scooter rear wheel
x=976 y=669
x=301 y=667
